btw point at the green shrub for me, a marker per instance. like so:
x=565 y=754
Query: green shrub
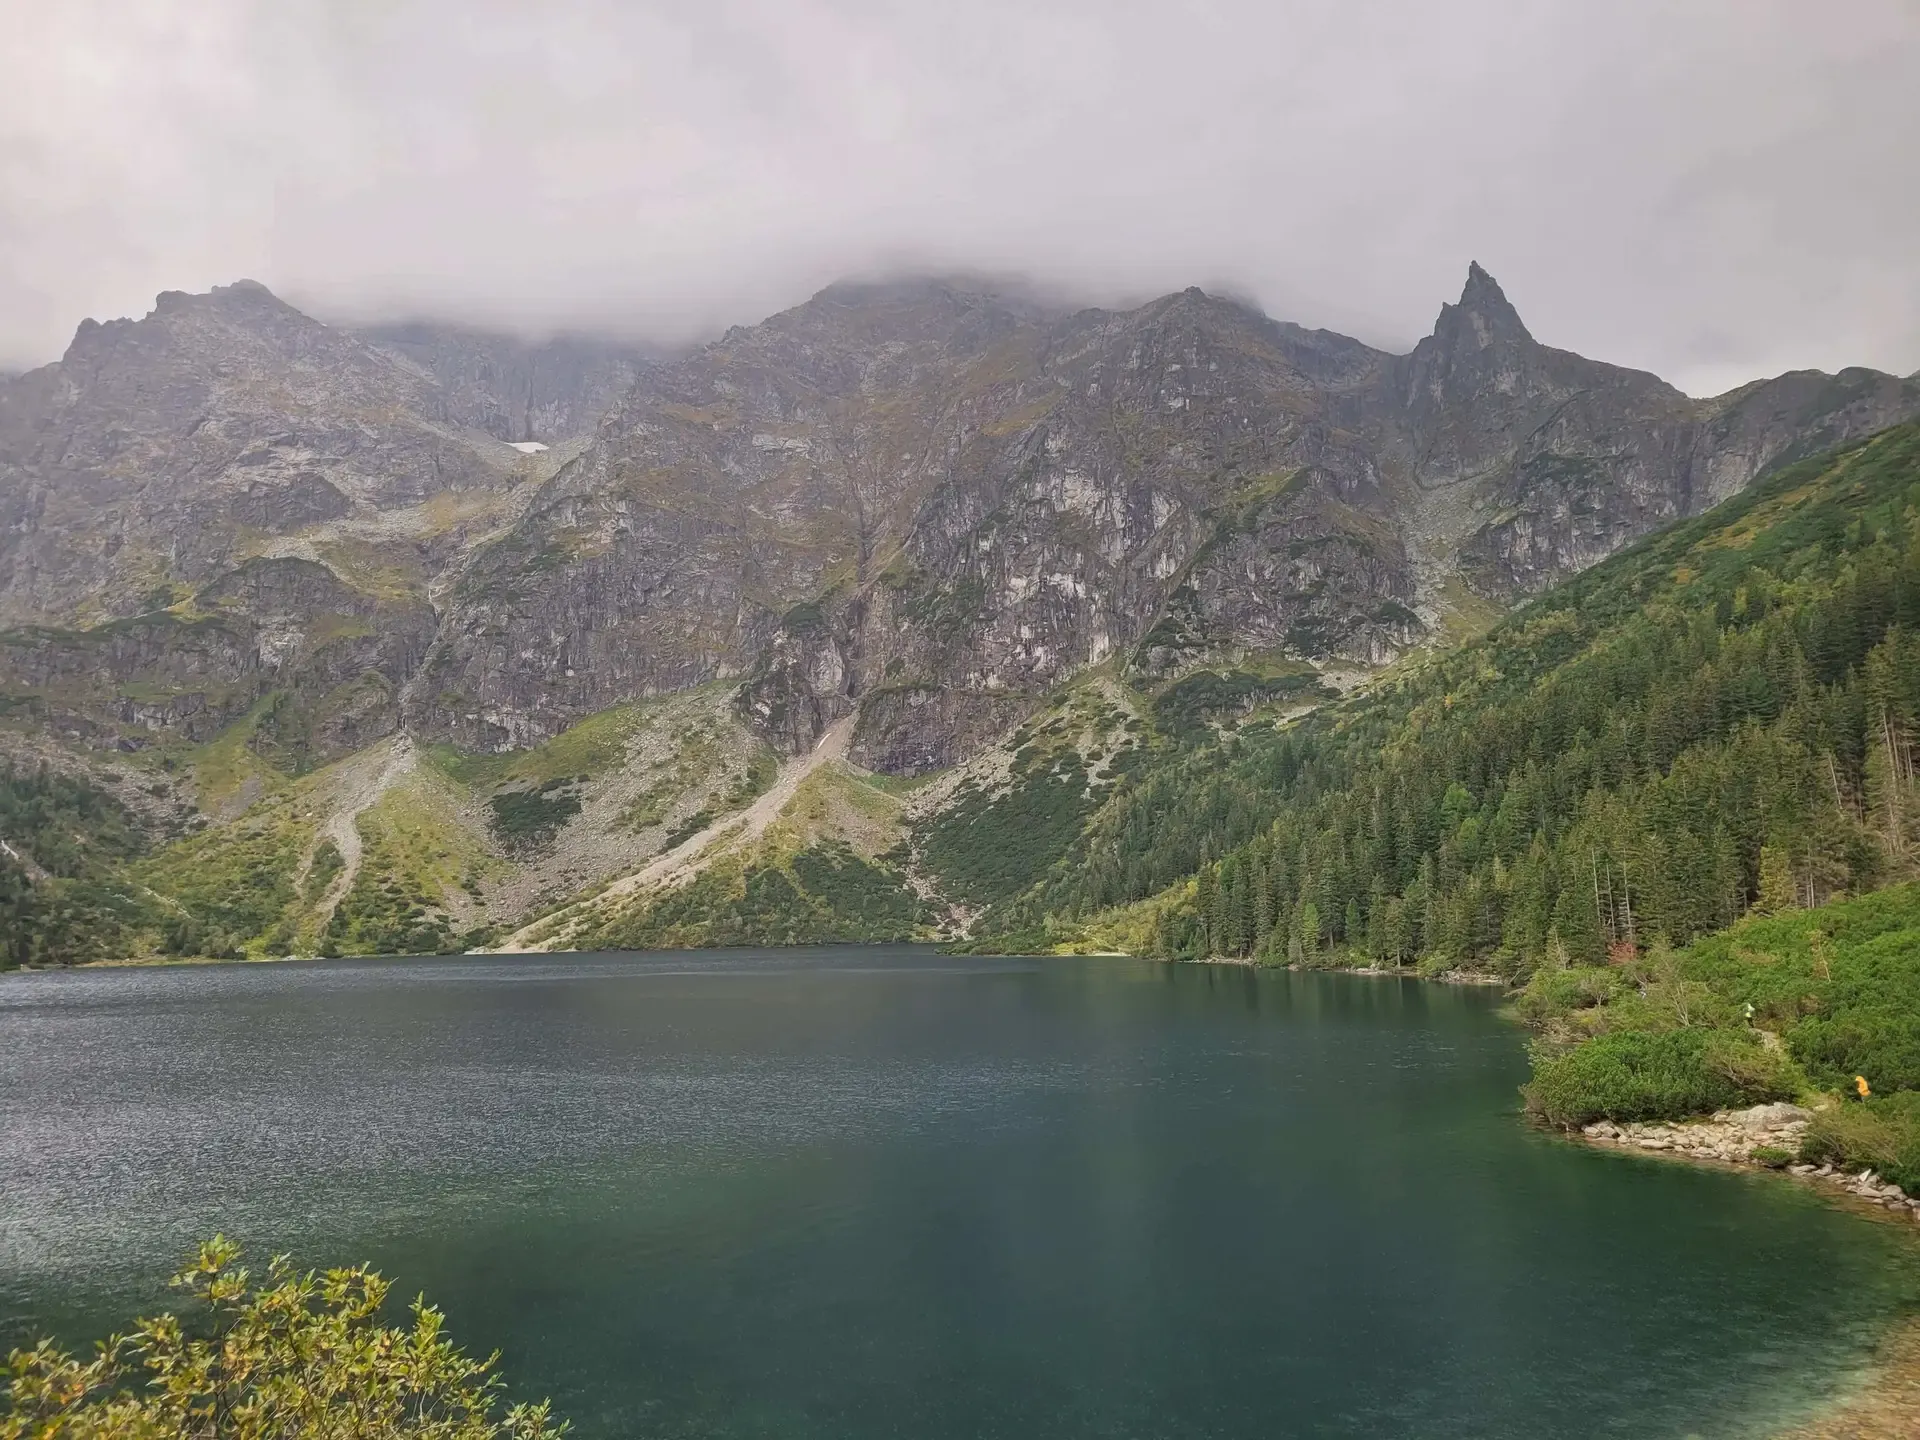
x=303 y=1355
x=1876 y=1041
x=991 y=844
x=1771 y=1156
x=1640 y=1075
x=1011 y=942
x=1881 y=1135
x=827 y=893
x=1185 y=707
x=687 y=828
x=762 y=770
x=1553 y=993
x=525 y=819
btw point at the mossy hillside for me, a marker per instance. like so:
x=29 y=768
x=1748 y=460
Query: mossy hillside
x=393 y=572
x=704 y=774
x=658 y=763
x=836 y=804
x=231 y=889
x=591 y=748
x=1187 y=708
x=822 y=893
x=255 y=885
x=1125 y=929
x=530 y=817
x=63 y=844
x=827 y=867
x=287 y=731
x=1740 y=688
x=422 y=870
x=995 y=834
x=234 y=768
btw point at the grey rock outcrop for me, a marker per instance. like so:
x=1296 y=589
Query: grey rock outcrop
x=513 y=389
x=933 y=501
x=332 y=658
x=925 y=502
x=159 y=451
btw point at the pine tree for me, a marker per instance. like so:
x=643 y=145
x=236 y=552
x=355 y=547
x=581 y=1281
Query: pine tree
x=1776 y=881
x=1310 y=927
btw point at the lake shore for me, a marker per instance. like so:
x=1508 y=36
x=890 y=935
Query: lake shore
x=1444 y=977
x=1885 y=1406
x=1733 y=1140
x=1886 y=1403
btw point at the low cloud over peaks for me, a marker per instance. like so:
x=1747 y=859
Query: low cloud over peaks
x=1712 y=191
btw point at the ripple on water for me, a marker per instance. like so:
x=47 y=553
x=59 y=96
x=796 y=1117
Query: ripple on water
x=878 y=1191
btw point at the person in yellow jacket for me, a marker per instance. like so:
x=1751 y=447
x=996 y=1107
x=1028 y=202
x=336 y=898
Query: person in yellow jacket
x=1860 y=1084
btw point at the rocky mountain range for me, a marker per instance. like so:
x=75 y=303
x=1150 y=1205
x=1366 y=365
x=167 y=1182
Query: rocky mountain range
x=928 y=501
x=903 y=514
x=931 y=503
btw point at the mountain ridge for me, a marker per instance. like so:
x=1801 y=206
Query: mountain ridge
x=242 y=547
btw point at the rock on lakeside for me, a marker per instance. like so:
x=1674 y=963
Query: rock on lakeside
x=1733 y=1137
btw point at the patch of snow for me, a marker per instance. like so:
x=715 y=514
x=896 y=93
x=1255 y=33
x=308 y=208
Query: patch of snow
x=526 y=447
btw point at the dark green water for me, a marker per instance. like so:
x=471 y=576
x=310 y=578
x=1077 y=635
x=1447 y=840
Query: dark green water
x=865 y=1193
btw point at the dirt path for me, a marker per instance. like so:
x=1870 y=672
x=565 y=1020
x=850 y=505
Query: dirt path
x=742 y=826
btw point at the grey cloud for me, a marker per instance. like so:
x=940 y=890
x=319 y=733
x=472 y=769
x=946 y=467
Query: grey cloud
x=1712 y=190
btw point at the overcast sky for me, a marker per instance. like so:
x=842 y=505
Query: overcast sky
x=1712 y=189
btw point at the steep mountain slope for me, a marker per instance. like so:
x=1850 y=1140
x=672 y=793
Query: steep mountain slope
x=515 y=390
x=228 y=505
x=157 y=452
x=294 y=578
x=931 y=503
x=1725 y=716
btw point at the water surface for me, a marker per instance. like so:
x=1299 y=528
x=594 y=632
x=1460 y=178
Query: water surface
x=880 y=1192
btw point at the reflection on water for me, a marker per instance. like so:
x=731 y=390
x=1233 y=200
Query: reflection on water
x=867 y=1192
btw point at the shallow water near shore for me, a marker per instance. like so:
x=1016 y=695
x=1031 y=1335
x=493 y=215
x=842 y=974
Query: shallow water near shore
x=870 y=1192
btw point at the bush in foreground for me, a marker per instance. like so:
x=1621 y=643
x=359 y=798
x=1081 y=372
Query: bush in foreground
x=305 y=1355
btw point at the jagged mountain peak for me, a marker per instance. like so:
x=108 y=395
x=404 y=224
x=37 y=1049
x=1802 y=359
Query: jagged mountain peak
x=208 y=320
x=1483 y=318
x=924 y=499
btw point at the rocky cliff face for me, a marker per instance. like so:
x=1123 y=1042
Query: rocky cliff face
x=161 y=451
x=1541 y=462
x=331 y=660
x=224 y=502
x=513 y=390
x=924 y=504
x=930 y=502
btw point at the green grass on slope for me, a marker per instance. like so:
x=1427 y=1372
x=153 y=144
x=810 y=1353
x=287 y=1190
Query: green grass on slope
x=990 y=842
x=60 y=899
x=1725 y=714
x=418 y=864
x=825 y=892
x=231 y=886
x=1774 y=1008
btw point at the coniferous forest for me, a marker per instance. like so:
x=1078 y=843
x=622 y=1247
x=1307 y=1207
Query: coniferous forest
x=1717 y=721
x=1715 y=728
